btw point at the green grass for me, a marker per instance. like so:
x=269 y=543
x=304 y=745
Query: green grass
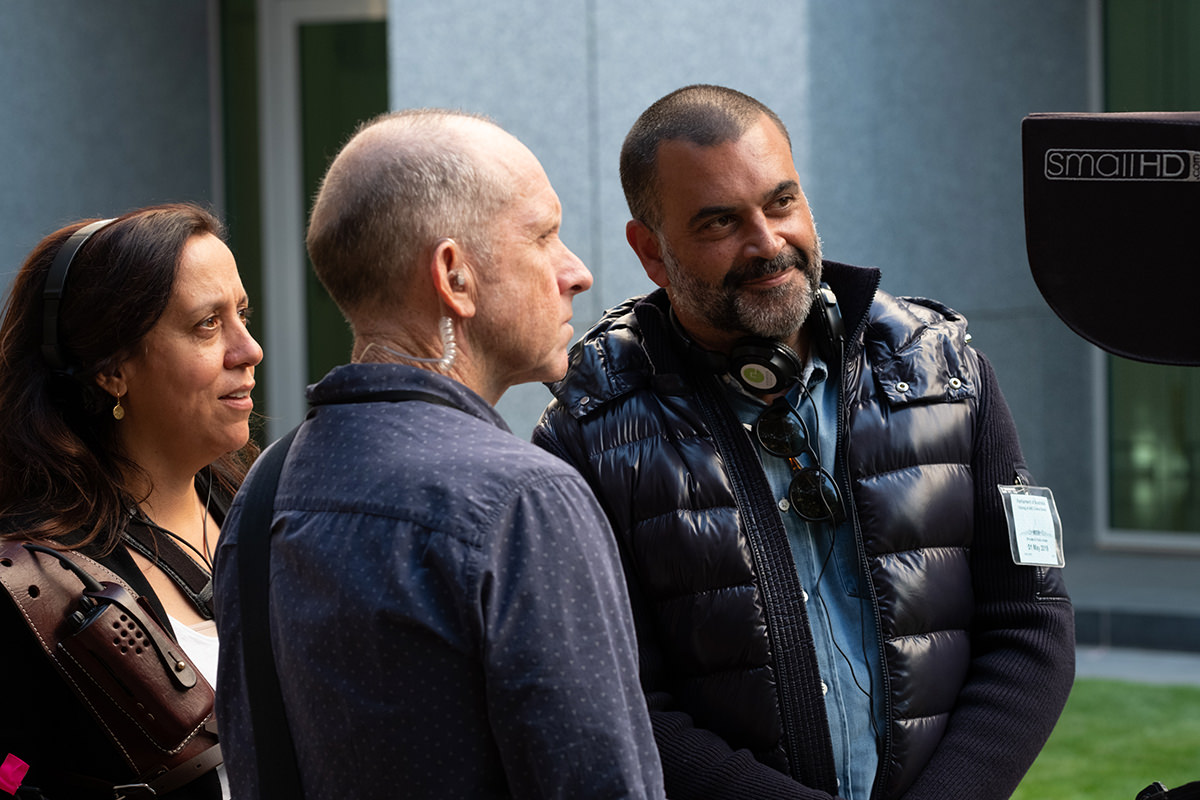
x=1116 y=738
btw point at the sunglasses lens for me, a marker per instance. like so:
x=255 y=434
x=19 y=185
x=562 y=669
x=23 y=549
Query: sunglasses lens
x=781 y=432
x=814 y=496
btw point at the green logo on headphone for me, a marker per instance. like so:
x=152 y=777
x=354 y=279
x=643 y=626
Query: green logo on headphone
x=757 y=377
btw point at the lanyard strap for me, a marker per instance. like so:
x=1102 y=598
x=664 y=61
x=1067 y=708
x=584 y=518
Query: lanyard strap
x=192 y=579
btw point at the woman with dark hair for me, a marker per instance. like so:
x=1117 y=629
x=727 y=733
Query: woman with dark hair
x=125 y=375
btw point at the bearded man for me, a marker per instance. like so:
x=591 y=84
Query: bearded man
x=803 y=473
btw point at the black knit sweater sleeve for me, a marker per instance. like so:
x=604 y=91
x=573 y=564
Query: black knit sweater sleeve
x=1022 y=640
x=699 y=764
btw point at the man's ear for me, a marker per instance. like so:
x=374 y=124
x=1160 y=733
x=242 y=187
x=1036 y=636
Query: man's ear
x=645 y=244
x=453 y=279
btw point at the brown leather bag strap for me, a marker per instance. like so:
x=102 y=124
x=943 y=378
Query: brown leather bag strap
x=56 y=595
x=106 y=644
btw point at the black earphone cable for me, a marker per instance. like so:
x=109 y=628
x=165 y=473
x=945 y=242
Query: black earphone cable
x=806 y=396
x=204 y=556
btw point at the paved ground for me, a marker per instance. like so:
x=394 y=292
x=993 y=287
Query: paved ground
x=1139 y=666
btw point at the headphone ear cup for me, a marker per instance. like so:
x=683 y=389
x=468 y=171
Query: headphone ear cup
x=760 y=365
x=63 y=390
x=75 y=399
x=764 y=365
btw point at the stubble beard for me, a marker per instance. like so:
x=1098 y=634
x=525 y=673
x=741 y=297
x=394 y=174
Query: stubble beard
x=776 y=313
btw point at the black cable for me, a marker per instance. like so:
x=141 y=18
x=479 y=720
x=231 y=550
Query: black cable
x=205 y=557
x=868 y=693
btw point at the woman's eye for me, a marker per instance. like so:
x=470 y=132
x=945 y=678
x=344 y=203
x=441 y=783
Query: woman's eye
x=209 y=322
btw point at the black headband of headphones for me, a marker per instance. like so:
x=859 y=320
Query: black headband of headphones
x=56 y=284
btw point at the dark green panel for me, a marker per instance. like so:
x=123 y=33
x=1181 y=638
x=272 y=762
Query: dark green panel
x=243 y=218
x=343 y=74
x=1152 y=63
x=1152 y=55
x=1154 y=447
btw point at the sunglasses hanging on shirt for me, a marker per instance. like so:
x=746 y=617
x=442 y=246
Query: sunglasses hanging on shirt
x=813 y=494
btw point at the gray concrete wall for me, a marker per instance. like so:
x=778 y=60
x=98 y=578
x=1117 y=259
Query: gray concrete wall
x=916 y=127
x=906 y=123
x=103 y=107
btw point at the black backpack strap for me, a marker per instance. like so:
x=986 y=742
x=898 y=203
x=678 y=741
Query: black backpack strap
x=278 y=772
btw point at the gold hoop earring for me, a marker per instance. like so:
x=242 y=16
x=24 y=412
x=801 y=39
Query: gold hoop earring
x=118 y=411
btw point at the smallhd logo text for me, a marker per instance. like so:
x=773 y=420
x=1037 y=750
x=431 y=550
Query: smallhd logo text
x=1122 y=165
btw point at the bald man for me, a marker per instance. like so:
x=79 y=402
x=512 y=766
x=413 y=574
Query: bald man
x=449 y=613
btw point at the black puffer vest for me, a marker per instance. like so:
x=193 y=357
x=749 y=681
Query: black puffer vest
x=723 y=628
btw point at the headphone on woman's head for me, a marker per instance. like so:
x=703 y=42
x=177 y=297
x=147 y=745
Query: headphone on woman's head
x=55 y=288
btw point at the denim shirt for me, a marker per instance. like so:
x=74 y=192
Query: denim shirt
x=831 y=575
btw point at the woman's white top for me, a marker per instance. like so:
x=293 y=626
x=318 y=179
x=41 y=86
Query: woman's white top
x=200 y=643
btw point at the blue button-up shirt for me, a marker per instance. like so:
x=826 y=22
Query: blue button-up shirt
x=447 y=609
x=832 y=577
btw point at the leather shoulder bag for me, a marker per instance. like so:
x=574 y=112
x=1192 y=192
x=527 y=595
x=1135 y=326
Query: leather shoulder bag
x=108 y=646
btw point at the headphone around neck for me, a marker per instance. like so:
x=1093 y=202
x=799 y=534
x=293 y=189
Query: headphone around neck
x=764 y=366
x=52 y=294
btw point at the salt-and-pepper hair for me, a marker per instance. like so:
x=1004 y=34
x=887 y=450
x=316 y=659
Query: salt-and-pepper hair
x=403 y=181
x=701 y=114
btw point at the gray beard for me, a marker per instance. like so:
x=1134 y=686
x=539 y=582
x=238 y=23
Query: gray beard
x=774 y=314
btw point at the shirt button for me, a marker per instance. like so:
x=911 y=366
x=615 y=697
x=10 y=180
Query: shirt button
x=583 y=401
x=804 y=595
x=824 y=688
x=784 y=505
x=902 y=386
x=955 y=383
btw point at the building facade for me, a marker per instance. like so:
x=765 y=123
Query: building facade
x=905 y=120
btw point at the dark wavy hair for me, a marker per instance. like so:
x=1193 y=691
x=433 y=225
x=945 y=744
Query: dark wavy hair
x=63 y=476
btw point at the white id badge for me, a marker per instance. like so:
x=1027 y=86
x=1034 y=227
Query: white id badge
x=1034 y=529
